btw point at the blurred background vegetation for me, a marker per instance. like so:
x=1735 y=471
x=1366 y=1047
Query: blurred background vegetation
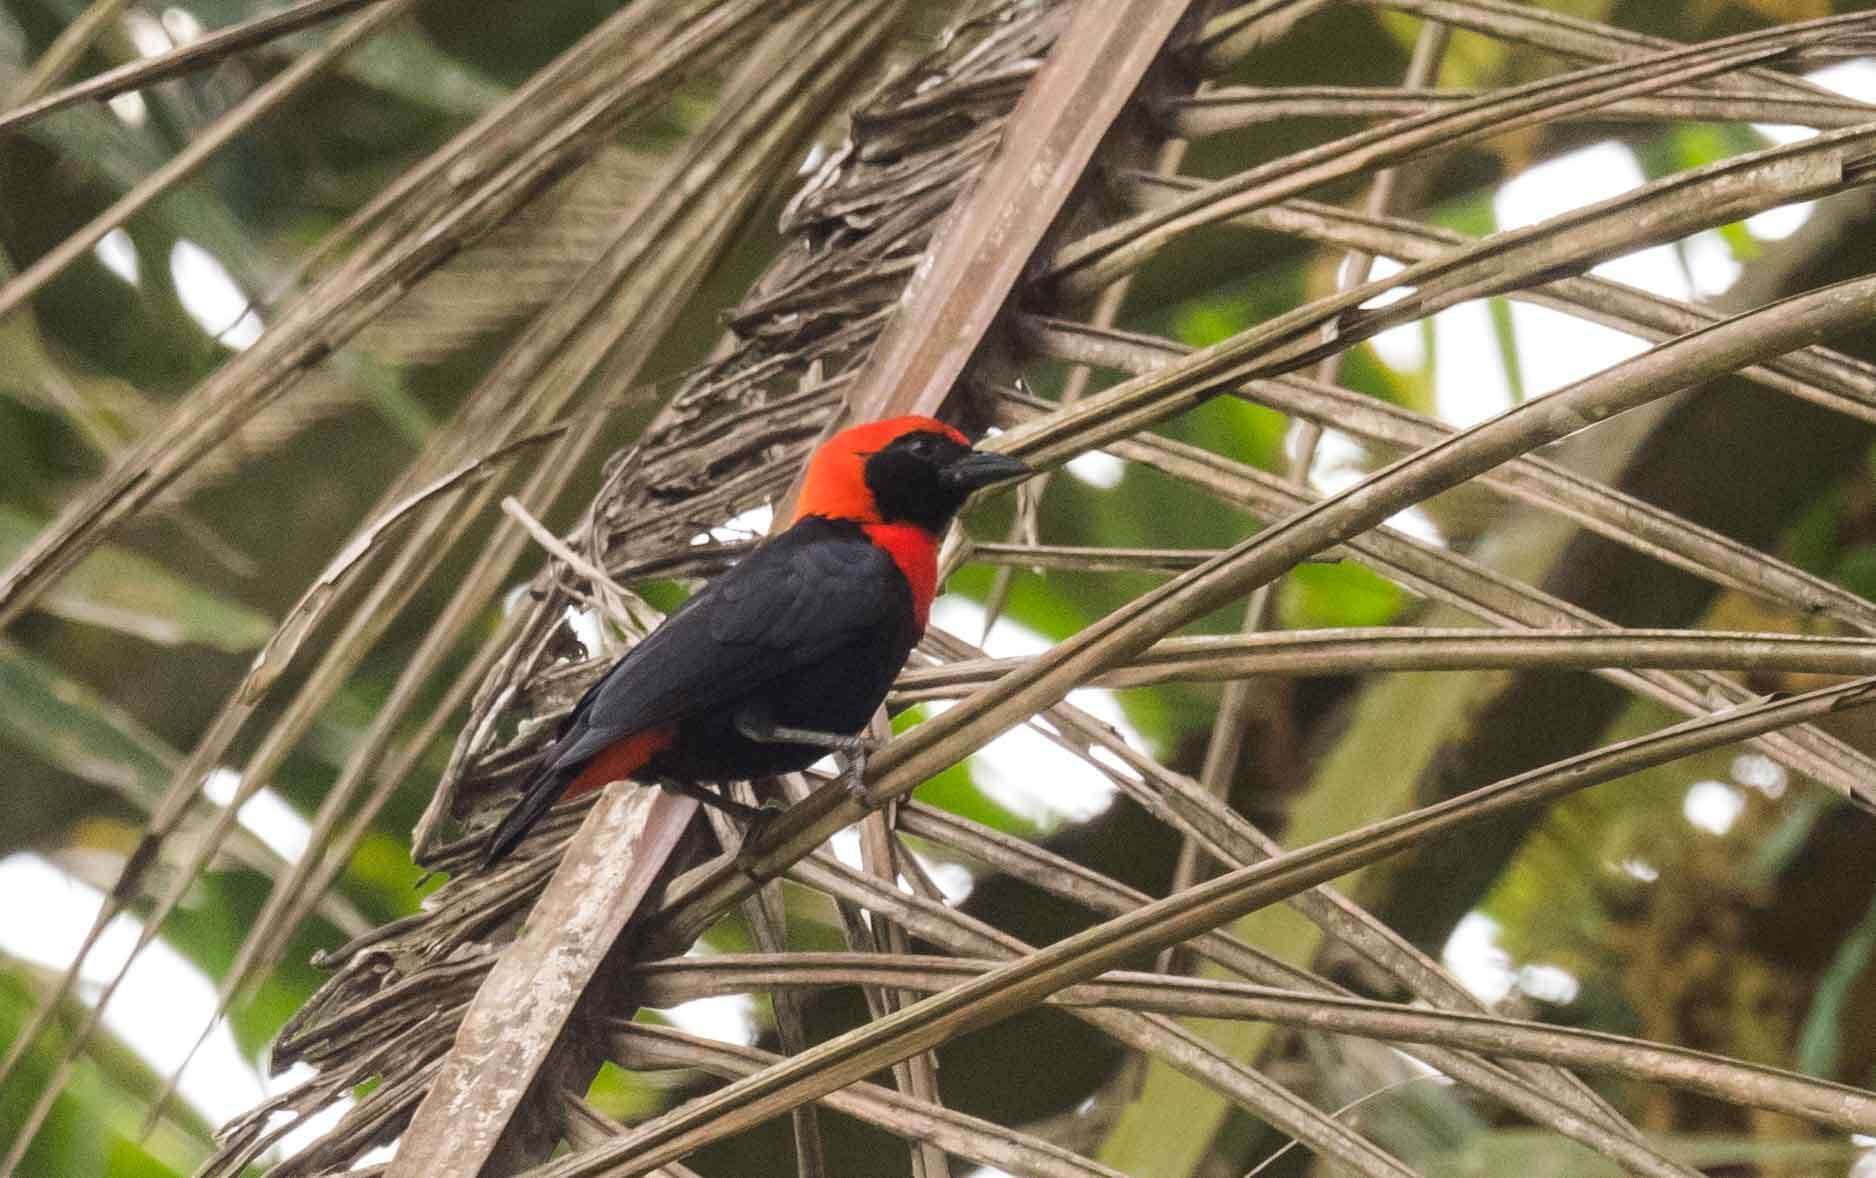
x=1720 y=903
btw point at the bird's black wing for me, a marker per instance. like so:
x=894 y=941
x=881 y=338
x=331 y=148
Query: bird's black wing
x=792 y=602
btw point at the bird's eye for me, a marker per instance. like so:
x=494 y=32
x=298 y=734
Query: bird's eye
x=922 y=448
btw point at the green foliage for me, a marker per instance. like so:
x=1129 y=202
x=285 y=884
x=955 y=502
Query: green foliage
x=1319 y=596
x=96 y=1125
x=1820 y=1048
x=131 y=594
x=49 y=715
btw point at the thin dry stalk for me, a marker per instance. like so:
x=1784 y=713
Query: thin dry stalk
x=1837 y=1106
x=30 y=101
x=1020 y=984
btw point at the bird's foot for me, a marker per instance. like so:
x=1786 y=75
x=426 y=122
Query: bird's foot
x=849 y=749
x=755 y=728
x=853 y=771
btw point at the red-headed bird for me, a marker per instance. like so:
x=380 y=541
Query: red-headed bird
x=786 y=656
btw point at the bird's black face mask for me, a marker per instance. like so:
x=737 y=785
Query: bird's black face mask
x=924 y=477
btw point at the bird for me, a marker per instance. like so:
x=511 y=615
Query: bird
x=783 y=658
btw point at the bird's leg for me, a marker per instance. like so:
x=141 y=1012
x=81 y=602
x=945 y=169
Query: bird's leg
x=851 y=749
x=748 y=816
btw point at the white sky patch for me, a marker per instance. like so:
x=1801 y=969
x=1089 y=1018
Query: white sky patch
x=210 y=295
x=586 y=627
x=1339 y=459
x=1570 y=181
x=1341 y=462
x=811 y=162
x=1023 y=770
x=1098 y=470
x=752 y=524
x=1556 y=350
x=1761 y=773
x=1388 y=298
x=146 y=33
x=1852 y=79
x=846 y=847
x=267 y=815
x=953 y=879
x=1400 y=348
x=118 y=254
x=1779 y=223
x=181 y=25
x=1599 y=172
x=161 y=1006
x=1640 y=869
x=1710 y=263
x=1030 y=775
x=1475 y=957
x=1783 y=134
x=1469 y=382
x=1656 y=270
x=129 y=108
x=1549 y=983
x=1417 y=523
x=726 y=1018
x=313 y=1127
x=377 y=1155
x=989 y=1172
x=1713 y=806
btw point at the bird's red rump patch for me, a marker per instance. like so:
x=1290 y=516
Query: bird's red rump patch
x=619 y=760
x=915 y=551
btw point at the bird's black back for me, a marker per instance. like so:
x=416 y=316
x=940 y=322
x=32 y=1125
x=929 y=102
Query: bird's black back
x=808 y=631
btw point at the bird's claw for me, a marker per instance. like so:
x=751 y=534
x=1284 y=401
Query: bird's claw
x=853 y=772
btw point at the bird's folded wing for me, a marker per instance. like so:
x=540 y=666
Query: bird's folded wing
x=790 y=603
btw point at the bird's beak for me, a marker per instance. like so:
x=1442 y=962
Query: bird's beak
x=980 y=468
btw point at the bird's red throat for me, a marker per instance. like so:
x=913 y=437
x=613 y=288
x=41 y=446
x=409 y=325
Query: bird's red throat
x=915 y=551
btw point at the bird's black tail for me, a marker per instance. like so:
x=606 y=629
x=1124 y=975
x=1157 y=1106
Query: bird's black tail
x=537 y=798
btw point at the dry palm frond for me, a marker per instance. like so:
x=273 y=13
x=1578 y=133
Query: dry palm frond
x=684 y=234
x=518 y=267
x=912 y=274
x=198 y=54
x=1029 y=979
x=730 y=437
x=728 y=440
x=857 y=218
x=463 y=192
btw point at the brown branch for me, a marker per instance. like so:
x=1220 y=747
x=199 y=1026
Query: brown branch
x=1021 y=984
x=467 y=1124
x=984 y=246
x=648 y=1047
x=1357 y=650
